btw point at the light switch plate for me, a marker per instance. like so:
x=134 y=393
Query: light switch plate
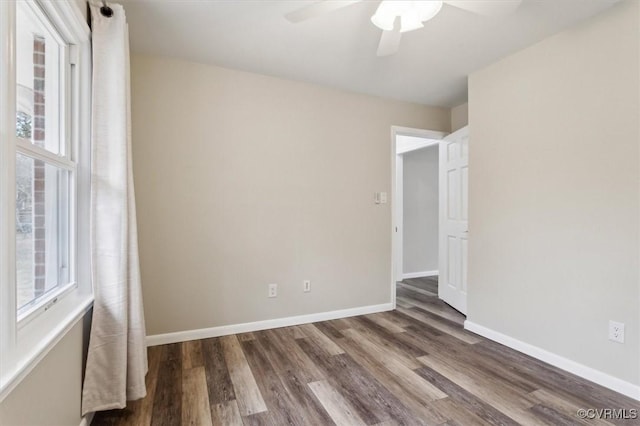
x=380 y=197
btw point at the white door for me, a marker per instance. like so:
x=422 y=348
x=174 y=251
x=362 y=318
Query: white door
x=454 y=180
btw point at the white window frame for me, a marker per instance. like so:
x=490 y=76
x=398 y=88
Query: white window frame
x=25 y=339
x=66 y=160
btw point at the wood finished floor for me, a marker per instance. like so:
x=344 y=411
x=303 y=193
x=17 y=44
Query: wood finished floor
x=415 y=366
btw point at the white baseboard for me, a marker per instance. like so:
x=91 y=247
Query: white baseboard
x=205 y=333
x=580 y=370
x=419 y=274
x=86 y=420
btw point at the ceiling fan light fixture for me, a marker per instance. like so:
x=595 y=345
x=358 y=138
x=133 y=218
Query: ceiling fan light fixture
x=385 y=15
x=427 y=9
x=410 y=22
x=412 y=14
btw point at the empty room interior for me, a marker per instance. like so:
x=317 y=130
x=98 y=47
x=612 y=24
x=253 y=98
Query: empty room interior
x=319 y=212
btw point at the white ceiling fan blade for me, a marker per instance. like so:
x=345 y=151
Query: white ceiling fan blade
x=389 y=43
x=316 y=9
x=486 y=7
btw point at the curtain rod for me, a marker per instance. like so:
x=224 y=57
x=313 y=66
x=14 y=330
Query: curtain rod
x=105 y=10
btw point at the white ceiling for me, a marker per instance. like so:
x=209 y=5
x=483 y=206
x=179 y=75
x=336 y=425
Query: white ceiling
x=339 y=49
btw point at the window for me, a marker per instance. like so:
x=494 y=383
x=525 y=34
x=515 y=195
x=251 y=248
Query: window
x=43 y=181
x=45 y=77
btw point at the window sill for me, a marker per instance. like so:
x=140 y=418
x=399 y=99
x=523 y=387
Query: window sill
x=43 y=305
x=12 y=376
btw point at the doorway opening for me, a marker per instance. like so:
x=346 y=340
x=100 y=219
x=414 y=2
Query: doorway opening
x=429 y=223
x=415 y=199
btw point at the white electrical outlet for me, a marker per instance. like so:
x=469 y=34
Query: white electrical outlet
x=273 y=290
x=307 y=286
x=616 y=331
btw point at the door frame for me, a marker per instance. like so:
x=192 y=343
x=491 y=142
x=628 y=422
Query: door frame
x=397 y=207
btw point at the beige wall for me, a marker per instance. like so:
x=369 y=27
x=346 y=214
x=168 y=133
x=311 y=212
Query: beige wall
x=50 y=395
x=554 y=200
x=244 y=180
x=82 y=6
x=420 y=210
x=459 y=116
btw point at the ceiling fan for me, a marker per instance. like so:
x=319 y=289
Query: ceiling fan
x=395 y=17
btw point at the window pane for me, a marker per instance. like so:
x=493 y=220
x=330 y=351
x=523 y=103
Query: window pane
x=42 y=229
x=37 y=78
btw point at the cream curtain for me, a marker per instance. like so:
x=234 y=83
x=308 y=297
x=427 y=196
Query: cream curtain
x=117 y=358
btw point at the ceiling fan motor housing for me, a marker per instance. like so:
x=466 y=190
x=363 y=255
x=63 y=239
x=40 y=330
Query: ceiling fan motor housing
x=411 y=13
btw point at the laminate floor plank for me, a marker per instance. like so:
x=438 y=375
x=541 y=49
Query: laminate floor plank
x=192 y=354
x=409 y=293
x=340 y=410
x=340 y=378
x=457 y=414
x=307 y=370
x=264 y=418
x=394 y=319
x=415 y=365
x=404 y=373
x=402 y=303
x=404 y=286
x=167 y=402
x=387 y=423
x=389 y=344
x=294 y=380
x=196 y=410
x=417 y=403
x=242 y=337
x=328 y=345
x=441 y=324
x=385 y=336
x=550 y=399
x=219 y=385
x=339 y=324
x=279 y=402
x=549 y=416
x=332 y=332
x=384 y=322
x=113 y=417
x=466 y=399
x=448 y=348
x=565 y=384
x=416 y=325
x=435 y=302
x=502 y=398
x=441 y=311
x=248 y=395
x=374 y=402
x=483 y=371
x=296 y=332
x=416 y=299
x=566 y=388
x=226 y=414
x=424 y=283
x=360 y=388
